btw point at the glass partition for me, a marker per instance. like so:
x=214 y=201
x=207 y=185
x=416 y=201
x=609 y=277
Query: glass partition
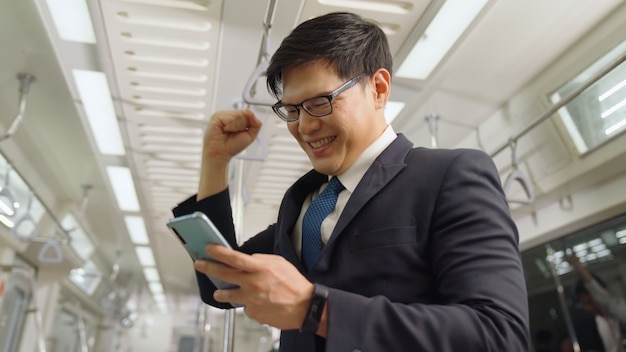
x=87 y=278
x=599 y=113
x=565 y=313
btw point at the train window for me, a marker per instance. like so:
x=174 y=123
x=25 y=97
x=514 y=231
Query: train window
x=81 y=243
x=87 y=278
x=20 y=195
x=598 y=114
x=557 y=316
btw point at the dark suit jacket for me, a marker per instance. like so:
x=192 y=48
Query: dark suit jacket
x=423 y=258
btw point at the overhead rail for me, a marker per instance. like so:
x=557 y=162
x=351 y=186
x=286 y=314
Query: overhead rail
x=518 y=175
x=564 y=101
x=249 y=90
x=562 y=300
x=433 y=123
x=33 y=236
x=52 y=246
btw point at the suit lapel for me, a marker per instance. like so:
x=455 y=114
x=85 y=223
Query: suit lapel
x=289 y=212
x=386 y=166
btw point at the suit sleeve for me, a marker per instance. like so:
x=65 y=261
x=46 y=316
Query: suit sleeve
x=477 y=271
x=218 y=209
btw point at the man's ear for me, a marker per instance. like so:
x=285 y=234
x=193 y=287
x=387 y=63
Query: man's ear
x=382 y=87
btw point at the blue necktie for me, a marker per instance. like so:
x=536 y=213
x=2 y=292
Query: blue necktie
x=319 y=209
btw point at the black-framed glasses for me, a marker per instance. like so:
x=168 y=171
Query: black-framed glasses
x=316 y=107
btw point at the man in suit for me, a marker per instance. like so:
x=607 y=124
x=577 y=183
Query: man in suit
x=418 y=254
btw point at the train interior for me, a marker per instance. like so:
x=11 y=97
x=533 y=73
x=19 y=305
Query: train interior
x=103 y=104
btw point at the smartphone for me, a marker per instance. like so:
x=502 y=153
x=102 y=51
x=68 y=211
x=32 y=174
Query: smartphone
x=195 y=231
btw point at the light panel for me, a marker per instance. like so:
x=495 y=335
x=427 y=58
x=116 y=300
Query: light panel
x=445 y=29
x=123 y=187
x=145 y=256
x=96 y=99
x=72 y=20
x=136 y=229
x=393 y=7
x=615 y=127
x=152 y=274
x=156 y=287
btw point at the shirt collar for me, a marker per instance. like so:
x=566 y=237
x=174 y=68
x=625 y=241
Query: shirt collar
x=351 y=178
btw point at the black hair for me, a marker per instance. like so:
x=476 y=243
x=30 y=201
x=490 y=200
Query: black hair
x=348 y=43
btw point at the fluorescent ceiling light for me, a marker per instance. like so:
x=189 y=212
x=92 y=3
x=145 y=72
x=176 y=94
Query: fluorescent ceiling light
x=395 y=7
x=72 y=20
x=145 y=256
x=159 y=297
x=6 y=221
x=96 y=99
x=594 y=242
x=392 y=109
x=612 y=91
x=598 y=248
x=8 y=209
x=172 y=3
x=615 y=127
x=123 y=188
x=152 y=274
x=613 y=109
x=137 y=229
x=450 y=22
x=156 y=287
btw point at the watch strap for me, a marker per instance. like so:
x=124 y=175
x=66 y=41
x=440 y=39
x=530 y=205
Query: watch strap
x=316 y=307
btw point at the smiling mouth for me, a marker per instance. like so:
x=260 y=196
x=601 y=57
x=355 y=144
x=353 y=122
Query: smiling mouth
x=322 y=142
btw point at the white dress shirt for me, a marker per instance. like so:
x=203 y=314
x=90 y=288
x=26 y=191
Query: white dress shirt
x=609 y=332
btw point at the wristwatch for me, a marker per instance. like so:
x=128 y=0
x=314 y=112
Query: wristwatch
x=316 y=307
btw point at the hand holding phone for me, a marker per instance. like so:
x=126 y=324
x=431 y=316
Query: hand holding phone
x=195 y=231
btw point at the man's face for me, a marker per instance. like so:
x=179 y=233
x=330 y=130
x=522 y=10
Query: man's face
x=334 y=142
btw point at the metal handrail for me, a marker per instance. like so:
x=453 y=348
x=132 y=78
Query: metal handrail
x=565 y=100
x=25 y=80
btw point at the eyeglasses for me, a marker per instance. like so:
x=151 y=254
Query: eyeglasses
x=316 y=107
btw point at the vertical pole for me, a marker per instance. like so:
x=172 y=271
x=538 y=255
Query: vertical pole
x=560 y=292
x=432 y=120
x=202 y=329
x=229 y=316
x=41 y=340
x=82 y=330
